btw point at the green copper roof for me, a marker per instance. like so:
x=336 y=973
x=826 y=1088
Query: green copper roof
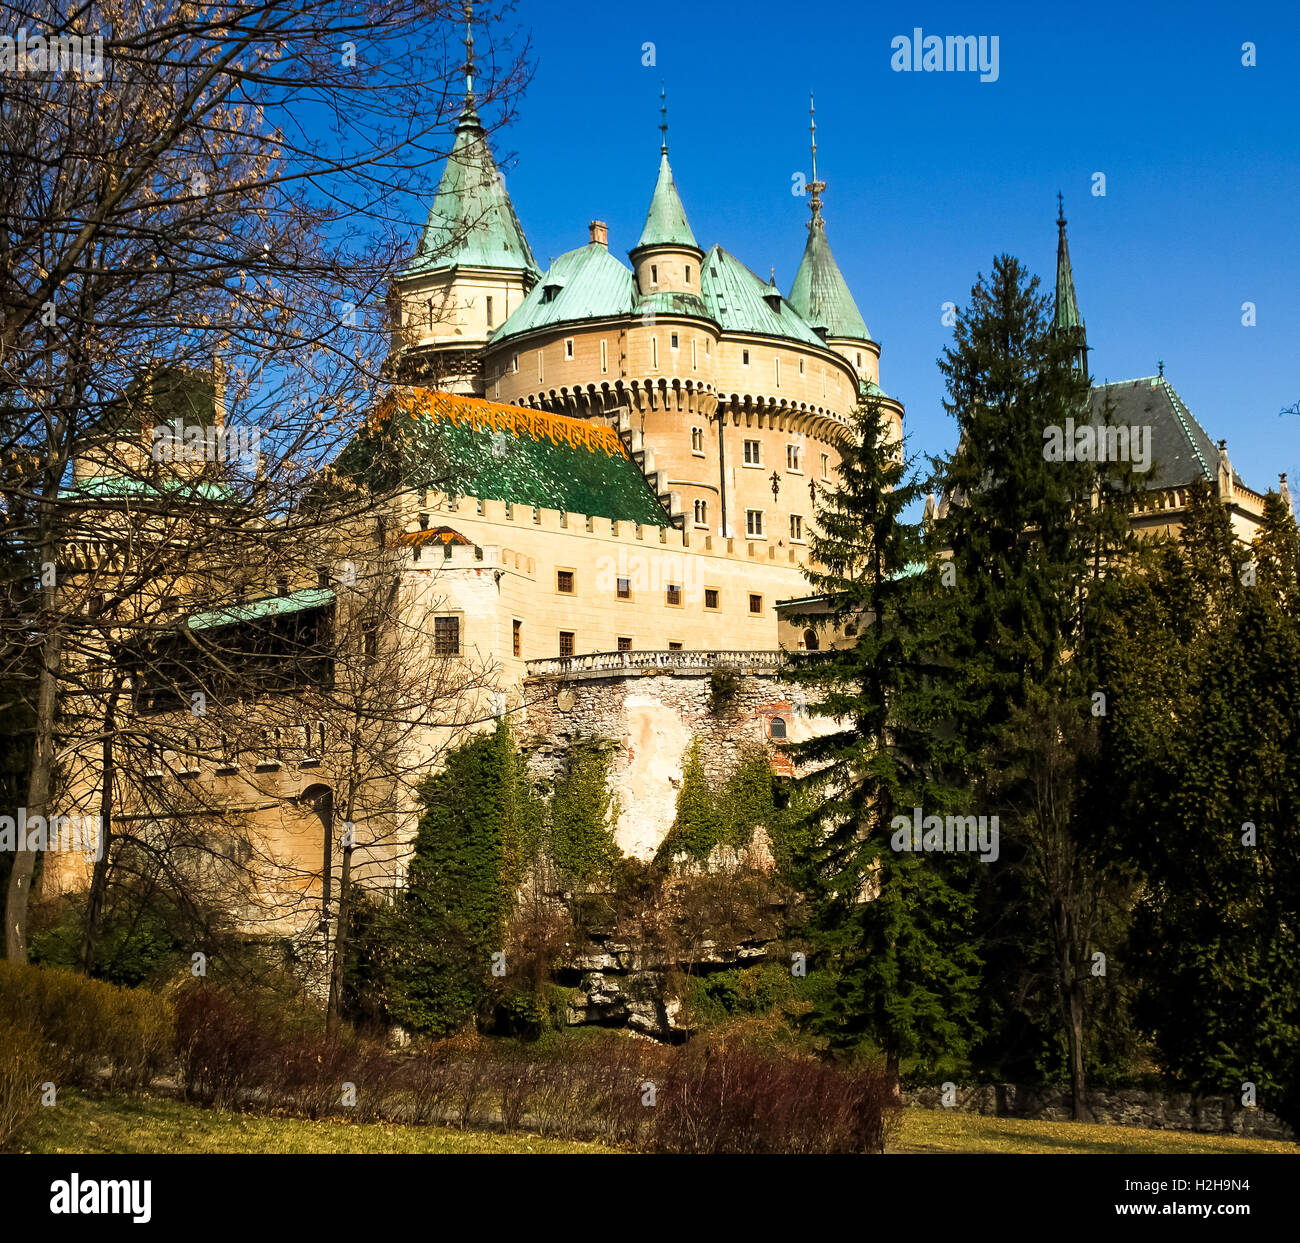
x=113 y=487
x=737 y=299
x=472 y=221
x=587 y=283
x=468 y=447
x=820 y=294
x=272 y=606
x=665 y=222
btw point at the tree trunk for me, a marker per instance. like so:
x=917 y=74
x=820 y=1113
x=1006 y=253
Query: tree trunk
x=334 y=1014
x=892 y=1070
x=38 y=797
x=99 y=877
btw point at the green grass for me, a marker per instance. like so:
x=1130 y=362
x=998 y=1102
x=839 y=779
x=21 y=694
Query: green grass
x=942 y=1130
x=143 y=1124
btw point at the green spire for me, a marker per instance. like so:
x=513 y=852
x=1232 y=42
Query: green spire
x=820 y=293
x=472 y=221
x=665 y=222
x=1067 y=319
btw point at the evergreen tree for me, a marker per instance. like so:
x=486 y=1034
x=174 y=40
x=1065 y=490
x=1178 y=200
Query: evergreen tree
x=474 y=840
x=1030 y=538
x=1204 y=662
x=889 y=926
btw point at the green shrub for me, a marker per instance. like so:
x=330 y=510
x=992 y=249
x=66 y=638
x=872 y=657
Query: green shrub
x=20 y=1080
x=83 y=1026
x=583 y=816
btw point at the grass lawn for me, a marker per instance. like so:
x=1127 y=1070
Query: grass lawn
x=138 y=1124
x=142 y=1124
x=942 y=1130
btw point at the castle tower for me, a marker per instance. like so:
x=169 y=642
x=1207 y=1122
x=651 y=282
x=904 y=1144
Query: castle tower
x=666 y=258
x=820 y=293
x=1067 y=321
x=473 y=267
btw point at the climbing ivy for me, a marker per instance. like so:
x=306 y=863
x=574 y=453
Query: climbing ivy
x=708 y=816
x=584 y=814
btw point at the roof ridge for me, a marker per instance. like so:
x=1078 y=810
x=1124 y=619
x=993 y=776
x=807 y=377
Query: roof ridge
x=1180 y=409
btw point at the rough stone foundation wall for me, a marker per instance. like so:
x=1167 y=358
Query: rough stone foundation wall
x=1174 y=1111
x=653 y=716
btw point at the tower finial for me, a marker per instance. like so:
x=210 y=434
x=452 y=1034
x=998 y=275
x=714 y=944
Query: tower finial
x=816 y=187
x=663 y=120
x=469 y=55
x=1060 y=210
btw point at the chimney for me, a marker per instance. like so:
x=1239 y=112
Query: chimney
x=599 y=233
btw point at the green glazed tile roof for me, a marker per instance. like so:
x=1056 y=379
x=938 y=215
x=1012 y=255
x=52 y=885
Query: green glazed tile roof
x=665 y=222
x=469 y=447
x=472 y=221
x=587 y=283
x=272 y=606
x=735 y=297
x=820 y=293
x=665 y=303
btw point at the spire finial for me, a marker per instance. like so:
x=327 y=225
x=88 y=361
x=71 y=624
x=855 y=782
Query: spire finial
x=1060 y=210
x=815 y=186
x=469 y=55
x=1161 y=364
x=663 y=120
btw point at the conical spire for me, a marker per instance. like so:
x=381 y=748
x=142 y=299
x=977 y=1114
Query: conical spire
x=820 y=293
x=665 y=222
x=472 y=221
x=1067 y=319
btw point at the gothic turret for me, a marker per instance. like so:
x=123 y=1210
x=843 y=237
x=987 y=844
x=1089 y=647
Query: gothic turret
x=1067 y=321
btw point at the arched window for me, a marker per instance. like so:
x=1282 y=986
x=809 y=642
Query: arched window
x=810 y=640
x=778 y=727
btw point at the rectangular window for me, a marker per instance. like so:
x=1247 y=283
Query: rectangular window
x=695 y=353
x=673 y=341
x=564 y=581
x=792 y=461
x=654 y=275
x=674 y=593
x=624 y=643
x=604 y=356
x=624 y=588
x=744 y=358
x=566 y=642
x=489 y=312
x=710 y=597
x=801 y=366
x=514 y=363
x=654 y=351
x=674 y=647
x=518 y=637
x=754 y=522
x=688 y=273
x=753 y=453
x=755 y=604
x=568 y=347
x=826 y=465
x=446 y=636
x=796 y=527
x=539 y=364
x=776 y=365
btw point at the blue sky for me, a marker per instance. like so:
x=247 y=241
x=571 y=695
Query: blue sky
x=932 y=174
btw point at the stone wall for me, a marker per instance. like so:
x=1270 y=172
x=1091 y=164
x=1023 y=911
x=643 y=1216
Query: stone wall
x=654 y=715
x=1162 y=1111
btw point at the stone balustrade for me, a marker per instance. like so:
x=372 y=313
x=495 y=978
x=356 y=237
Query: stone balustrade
x=596 y=664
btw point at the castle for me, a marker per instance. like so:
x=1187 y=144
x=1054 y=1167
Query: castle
x=602 y=489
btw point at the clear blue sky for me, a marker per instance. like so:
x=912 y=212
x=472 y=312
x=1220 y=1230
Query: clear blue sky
x=932 y=174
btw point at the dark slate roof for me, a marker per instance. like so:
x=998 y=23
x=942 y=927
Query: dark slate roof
x=1181 y=449
x=469 y=447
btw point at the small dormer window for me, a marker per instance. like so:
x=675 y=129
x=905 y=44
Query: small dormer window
x=548 y=293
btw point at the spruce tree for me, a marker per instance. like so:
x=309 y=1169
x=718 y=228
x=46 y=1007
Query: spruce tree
x=1030 y=539
x=889 y=926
